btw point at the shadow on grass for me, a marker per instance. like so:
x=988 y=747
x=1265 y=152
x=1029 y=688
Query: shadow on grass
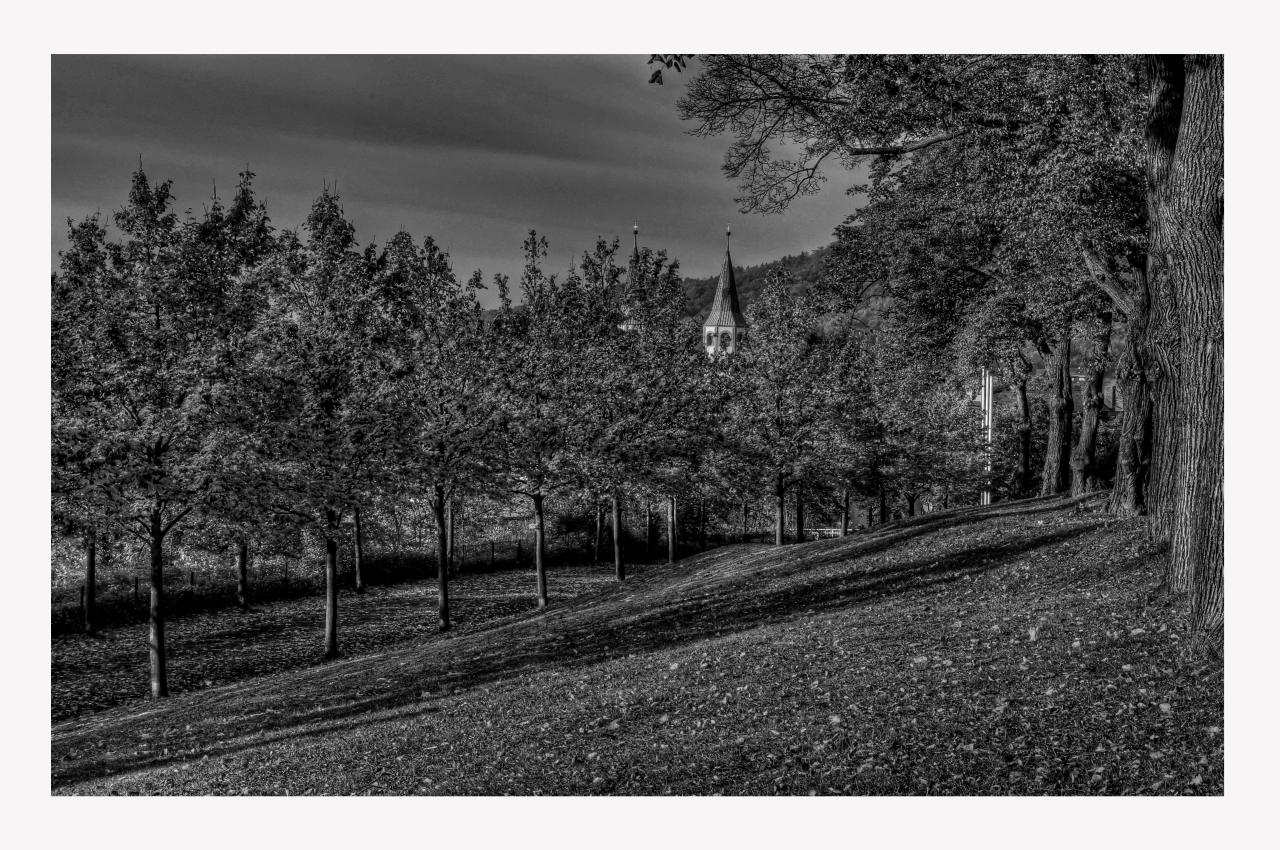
x=595 y=627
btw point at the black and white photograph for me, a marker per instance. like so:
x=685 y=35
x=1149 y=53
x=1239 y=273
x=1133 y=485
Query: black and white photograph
x=437 y=424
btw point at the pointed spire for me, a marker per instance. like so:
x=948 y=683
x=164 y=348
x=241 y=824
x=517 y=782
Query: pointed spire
x=725 y=312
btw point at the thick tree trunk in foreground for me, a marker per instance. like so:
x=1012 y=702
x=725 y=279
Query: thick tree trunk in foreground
x=155 y=635
x=358 y=552
x=1196 y=261
x=779 y=530
x=242 y=574
x=618 y=569
x=1084 y=460
x=442 y=558
x=331 y=591
x=844 y=515
x=90 y=581
x=1057 y=455
x=1166 y=77
x=1022 y=475
x=540 y=550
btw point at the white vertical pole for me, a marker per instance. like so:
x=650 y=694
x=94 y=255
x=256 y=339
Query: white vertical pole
x=988 y=386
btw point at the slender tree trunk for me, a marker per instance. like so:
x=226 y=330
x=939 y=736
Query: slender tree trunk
x=671 y=523
x=618 y=569
x=442 y=557
x=744 y=521
x=702 y=525
x=911 y=503
x=595 y=558
x=540 y=550
x=155 y=636
x=1196 y=269
x=844 y=515
x=1057 y=456
x=648 y=530
x=780 y=526
x=1022 y=477
x=331 y=589
x=673 y=541
x=799 y=513
x=1084 y=460
x=242 y=574
x=884 y=507
x=90 y=580
x=453 y=509
x=358 y=552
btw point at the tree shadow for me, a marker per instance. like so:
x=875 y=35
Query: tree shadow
x=655 y=610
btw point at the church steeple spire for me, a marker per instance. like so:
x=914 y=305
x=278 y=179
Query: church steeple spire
x=725 y=326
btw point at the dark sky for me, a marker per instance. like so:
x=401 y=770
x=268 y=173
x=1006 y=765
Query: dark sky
x=474 y=150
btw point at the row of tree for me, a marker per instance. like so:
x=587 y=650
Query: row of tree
x=1020 y=205
x=213 y=375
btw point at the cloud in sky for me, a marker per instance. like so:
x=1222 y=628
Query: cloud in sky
x=473 y=150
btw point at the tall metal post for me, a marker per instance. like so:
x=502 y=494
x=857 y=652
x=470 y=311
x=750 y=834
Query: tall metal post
x=988 y=418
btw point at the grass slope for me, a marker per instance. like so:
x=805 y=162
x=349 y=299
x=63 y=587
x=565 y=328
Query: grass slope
x=1016 y=649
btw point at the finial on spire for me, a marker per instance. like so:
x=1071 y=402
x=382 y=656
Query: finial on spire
x=727 y=233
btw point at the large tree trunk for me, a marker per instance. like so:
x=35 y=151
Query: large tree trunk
x=618 y=569
x=155 y=636
x=780 y=526
x=242 y=574
x=1057 y=456
x=1022 y=476
x=442 y=557
x=1167 y=82
x=540 y=550
x=1084 y=462
x=911 y=498
x=844 y=515
x=331 y=588
x=358 y=552
x=90 y=581
x=1195 y=243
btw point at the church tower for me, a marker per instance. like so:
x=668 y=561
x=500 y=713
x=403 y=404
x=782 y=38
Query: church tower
x=629 y=289
x=724 y=328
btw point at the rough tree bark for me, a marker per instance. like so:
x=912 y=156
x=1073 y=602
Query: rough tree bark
x=358 y=552
x=540 y=550
x=438 y=503
x=618 y=569
x=1195 y=260
x=1166 y=78
x=90 y=580
x=242 y=574
x=1084 y=461
x=1057 y=456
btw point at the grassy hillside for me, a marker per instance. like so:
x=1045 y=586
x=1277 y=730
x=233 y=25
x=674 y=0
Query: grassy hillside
x=1015 y=649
